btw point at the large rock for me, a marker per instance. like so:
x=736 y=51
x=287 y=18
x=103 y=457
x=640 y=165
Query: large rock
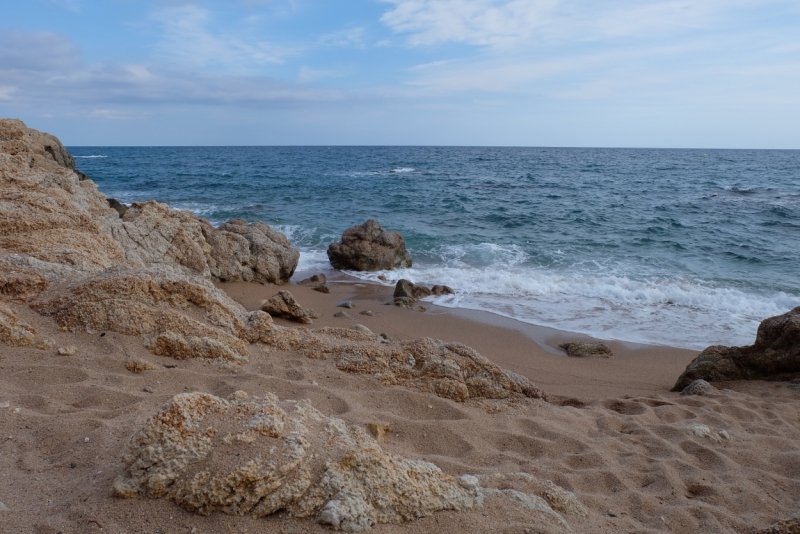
x=775 y=355
x=266 y=254
x=449 y=370
x=283 y=304
x=368 y=247
x=257 y=456
x=16 y=138
x=161 y=305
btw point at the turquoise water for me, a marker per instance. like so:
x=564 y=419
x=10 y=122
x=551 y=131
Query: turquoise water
x=680 y=247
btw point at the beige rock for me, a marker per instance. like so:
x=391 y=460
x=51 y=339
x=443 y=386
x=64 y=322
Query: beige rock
x=790 y=525
x=379 y=430
x=257 y=456
x=139 y=366
x=69 y=350
x=283 y=304
x=582 y=349
x=449 y=370
x=268 y=257
x=14 y=332
x=180 y=316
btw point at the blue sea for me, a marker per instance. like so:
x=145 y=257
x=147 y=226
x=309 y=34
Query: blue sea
x=680 y=247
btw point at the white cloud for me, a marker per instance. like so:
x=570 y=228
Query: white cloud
x=347 y=37
x=188 y=41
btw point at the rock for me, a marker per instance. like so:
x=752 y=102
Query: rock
x=698 y=387
x=345 y=304
x=148 y=389
x=284 y=305
x=368 y=313
x=775 y=355
x=382 y=278
x=279 y=456
x=14 y=332
x=379 y=430
x=139 y=366
x=421 y=309
x=117 y=205
x=790 y=525
x=406 y=289
x=257 y=456
x=268 y=256
x=161 y=305
x=582 y=349
x=343 y=315
x=317 y=283
x=3 y=507
x=439 y=290
x=16 y=138
x=449 y=370
x=368 y=247
x=361 y=328
x=68 y=351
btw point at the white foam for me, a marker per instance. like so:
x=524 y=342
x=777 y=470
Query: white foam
x=403 y=170
x=90 y=157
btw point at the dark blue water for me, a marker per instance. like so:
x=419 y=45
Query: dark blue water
x=683 y=247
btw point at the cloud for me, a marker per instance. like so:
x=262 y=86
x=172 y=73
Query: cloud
x=188 y=41
x=347 y=37
x=37 y=52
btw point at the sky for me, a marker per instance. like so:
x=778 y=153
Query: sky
x=596 y=73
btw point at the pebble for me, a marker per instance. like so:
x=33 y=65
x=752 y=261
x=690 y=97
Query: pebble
x=345 y=304
x=147 y=389
x=368 y=313
x=68 y=351
x=382 y=278
x=386 y=336
x=343 y=314
x=86 y=440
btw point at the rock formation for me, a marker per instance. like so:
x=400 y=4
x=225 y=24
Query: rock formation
x=450 y=370
x=256 y=456
x=407 y=293
x=14 y=332
x=368 y=247
x=775 y=355
x=284 y=305
x=158 y=303
x=582 y=349
x=317 y=283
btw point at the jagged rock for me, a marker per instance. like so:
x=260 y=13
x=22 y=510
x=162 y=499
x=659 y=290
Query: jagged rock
x=284 y=305
x=775 y=355
x=698 y=387
x=582 y=349
x=117 y=205
x=69 y=350
x=14 y=332
x=256 y=456
x=439 y=290
x=345 y=304
x=343 y=315
x=139 y=366
x=407 y=289
x=16 y=138
x=317 y=283
x=368 y=247
x=790 y=525
x=268 y=257
x=157 y=303
x=450 y=370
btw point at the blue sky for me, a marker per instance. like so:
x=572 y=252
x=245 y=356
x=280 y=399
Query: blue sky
x=634 y=73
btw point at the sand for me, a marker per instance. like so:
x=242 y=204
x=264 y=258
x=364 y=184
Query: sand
x=612 y=432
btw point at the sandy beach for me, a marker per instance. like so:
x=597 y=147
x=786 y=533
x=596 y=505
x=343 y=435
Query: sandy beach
x=612 y=434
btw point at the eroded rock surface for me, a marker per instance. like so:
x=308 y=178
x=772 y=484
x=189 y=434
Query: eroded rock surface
x=583 y=349
x=178 y=316
x=14 y=332
x=406 y=292
x=368 y=247
x=284 y=305
x=256 y=456
x=318 y=282
x=775 y=355
x=450 y=370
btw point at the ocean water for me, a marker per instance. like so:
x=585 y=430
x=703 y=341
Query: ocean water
x=681 y=247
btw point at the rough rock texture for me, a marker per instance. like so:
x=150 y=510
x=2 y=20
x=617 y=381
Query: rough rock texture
x=368 y=247
x=789 y=525
x=16 y=138
x=244 y=456
x=284 y=305
x=165 y=307
x=317 y=283
x=13 y=332
x=698 y=387
x=117 y=205
x=266 y=254
x=775 y=355
x=406 y=292
x=581 y=349
x=449 y=370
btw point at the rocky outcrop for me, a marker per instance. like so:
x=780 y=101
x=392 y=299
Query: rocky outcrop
x=14 y=332
x=284 y=305
x=583 y=349
x=449 y=370
x=318 y=282
x=790 y=525
x=775 y=355
x=407 y=292
x=256 y=456
x=16 y=138
x=161 y=305
x=368 y=247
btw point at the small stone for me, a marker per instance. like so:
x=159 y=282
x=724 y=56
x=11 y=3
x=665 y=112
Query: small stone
x=382 y=278
x=68 y=351
x=724 y=435
x=421 y=309
x=45 y=344
x=147 y=389
x=140 y=366
x=368 y=313
x=283 y=304
x=378 y=430
x=86 y=440
x=73 y=465
x=343 y=315
x=582 y=349
x=698 y=387
x=345 y=304
x=361 y=328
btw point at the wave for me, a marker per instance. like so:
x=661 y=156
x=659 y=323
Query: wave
x=401 y=170
x=90 y=157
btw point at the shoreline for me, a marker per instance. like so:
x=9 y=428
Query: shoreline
x=529 y=350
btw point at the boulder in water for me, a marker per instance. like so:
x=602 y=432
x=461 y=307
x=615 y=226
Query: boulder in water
x=368 y=247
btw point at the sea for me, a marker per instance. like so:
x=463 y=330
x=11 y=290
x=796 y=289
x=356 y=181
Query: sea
x=686 y=248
